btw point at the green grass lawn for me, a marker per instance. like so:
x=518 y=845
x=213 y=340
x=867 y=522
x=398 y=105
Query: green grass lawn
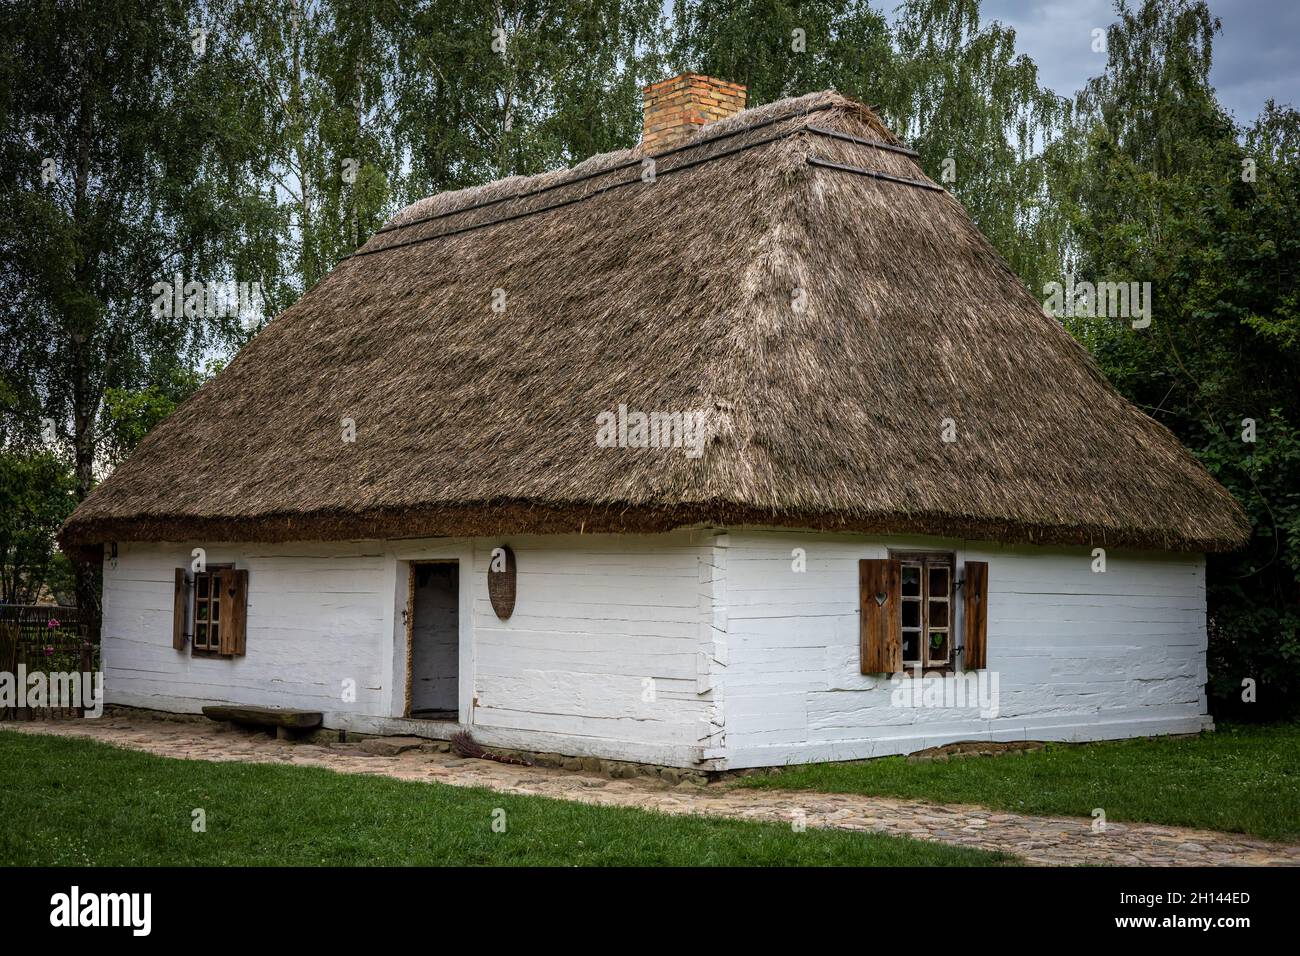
x=1241 y=778
x=77 y=802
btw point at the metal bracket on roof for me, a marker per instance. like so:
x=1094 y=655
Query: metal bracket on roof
x=875 y=174
x=874 y=143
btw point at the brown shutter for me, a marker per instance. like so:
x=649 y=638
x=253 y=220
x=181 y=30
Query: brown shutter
x=881 y=636
x=975 y=601
x=178 y=611
x=234 y=609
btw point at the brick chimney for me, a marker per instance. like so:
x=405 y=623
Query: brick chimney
x=676 y=108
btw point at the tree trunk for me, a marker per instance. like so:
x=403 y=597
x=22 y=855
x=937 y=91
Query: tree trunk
x=80 y=326
x=86 y=562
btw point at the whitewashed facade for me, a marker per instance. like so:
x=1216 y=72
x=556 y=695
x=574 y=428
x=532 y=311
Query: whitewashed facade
x=700 y=648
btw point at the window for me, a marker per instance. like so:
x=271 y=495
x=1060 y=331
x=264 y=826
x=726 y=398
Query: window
x=926 y=609
x=908 y=614
x=207 y=609
x=211 y=609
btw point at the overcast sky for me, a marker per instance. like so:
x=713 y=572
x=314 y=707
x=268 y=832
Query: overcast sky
x=1257 y=55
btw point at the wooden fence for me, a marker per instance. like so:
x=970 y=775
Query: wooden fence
x=46 y=639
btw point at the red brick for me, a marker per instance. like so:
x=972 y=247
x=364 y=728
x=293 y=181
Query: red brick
x=678 y=106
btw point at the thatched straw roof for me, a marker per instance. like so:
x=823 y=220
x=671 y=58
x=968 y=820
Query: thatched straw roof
x=827 y=321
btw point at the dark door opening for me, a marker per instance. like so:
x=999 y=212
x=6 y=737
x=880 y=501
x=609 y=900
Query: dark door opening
x=435 y=641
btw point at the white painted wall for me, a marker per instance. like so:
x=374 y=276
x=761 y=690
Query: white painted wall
x=1078 y=655
x=692 y=648
x=600 y=658
x=601 y=655
x=314 y=621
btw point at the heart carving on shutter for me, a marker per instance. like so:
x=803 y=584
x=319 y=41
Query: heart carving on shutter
x=880 y=630
x=234 y=611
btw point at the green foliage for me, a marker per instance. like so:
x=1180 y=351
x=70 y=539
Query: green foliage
x=521 y=87
x=37 y=489
x=61 y=580
x=1160 y=186
x=318 y=133
x=69 y=802
x=121 y=150
x=780 y=48
x=1154 y=98
x=1255 y=610
x=130 y=414
x=125 y=160
x=972 y=106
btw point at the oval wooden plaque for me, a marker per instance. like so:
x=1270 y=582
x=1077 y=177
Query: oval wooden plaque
x=501 y=581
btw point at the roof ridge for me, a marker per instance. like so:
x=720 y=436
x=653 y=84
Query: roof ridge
x=680 y=167
x=745 y=121
x=826 y=103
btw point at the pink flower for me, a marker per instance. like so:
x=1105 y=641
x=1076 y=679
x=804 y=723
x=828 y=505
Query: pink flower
x=52 y=622
x=49 y=652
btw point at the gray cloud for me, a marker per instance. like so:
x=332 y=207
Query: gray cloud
x=1255 y=57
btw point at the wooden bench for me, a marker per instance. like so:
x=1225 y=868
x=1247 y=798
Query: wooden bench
x=287 y=723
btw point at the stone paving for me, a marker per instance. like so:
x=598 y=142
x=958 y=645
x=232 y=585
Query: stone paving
x=1041 y=841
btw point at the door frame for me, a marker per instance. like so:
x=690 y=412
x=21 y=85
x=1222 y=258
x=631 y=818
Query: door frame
x=409 y=687
x=399 y=615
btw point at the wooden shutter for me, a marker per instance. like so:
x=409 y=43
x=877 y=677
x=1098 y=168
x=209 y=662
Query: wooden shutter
x=975 y=600
x=881 y=635
x=234 y=609
x=178 y=611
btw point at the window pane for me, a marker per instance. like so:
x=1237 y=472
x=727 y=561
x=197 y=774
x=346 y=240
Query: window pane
x=203 y=610
x=938 y=614
x=213 y=637
x=911 y=580
x=938 y=646
x=911 y=646
x=216 y=584
x=911 y=614
x=201 y=583
x=216 y=609
x=201 y=635
x=939 y=582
